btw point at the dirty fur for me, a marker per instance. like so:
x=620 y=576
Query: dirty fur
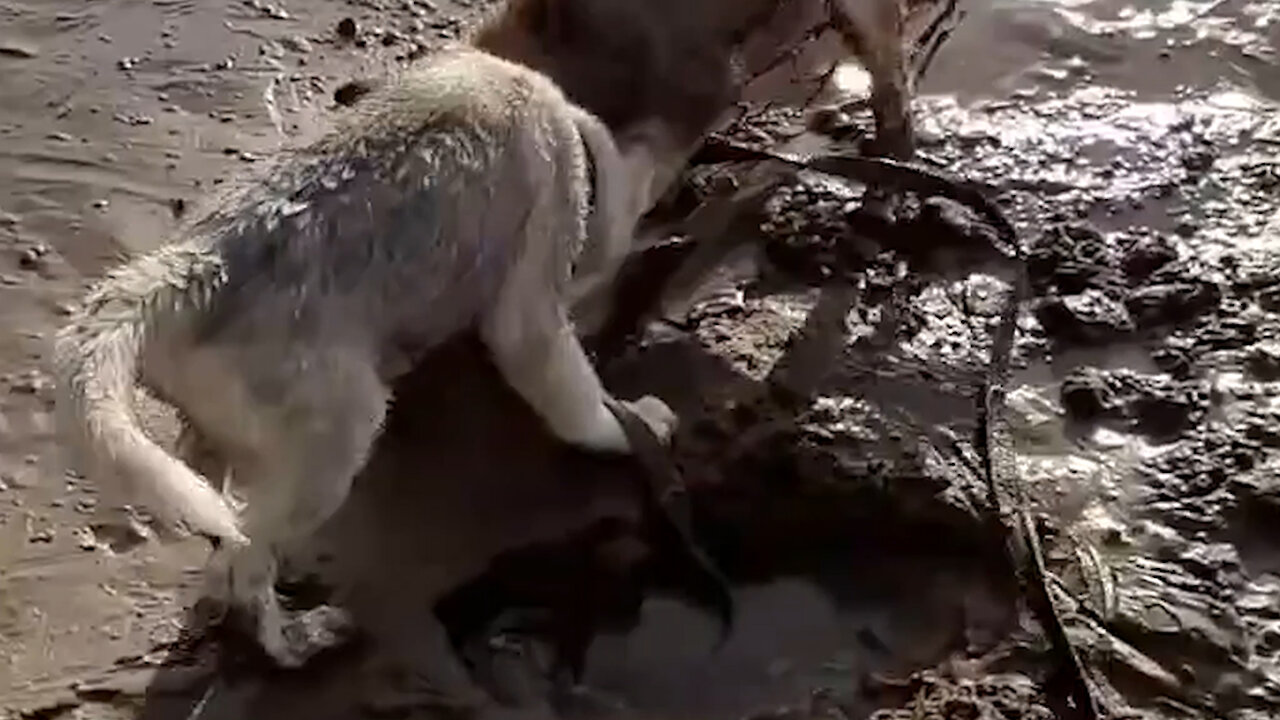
x=455 y=197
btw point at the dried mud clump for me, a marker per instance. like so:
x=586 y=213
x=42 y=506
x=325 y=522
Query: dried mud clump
x=1093 y=290
x=935 y=696
x=818 y=230
x=1156 y=406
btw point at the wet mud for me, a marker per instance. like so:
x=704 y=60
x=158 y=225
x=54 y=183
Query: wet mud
x=1136 y=150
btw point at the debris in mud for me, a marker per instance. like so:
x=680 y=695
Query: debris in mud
x=1263 y=361
x=12 y=49
x=931 y=695
x=348 y=93
x=34 y=257
x=1145 y=256
x=347 y=29
x=31 y=382
x=296 y=43
x=1170 y=303
x=132 y=118
x=1071 y=258
x=267 y=10
x=1155 y=406
x=1090 y=317
x=1093 y=290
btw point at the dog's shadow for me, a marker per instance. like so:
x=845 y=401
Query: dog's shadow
x=463 y=472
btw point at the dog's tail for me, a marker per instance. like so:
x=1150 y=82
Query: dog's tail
x=96 y=358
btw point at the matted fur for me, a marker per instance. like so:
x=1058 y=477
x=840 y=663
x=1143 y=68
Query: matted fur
x=455 y=197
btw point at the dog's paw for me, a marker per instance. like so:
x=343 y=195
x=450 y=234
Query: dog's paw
x=656 y=414
x=309 y=633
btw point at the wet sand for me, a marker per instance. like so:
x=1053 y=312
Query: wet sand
x=120 y=115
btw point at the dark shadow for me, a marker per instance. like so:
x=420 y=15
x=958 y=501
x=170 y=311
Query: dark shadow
x=465 y=472
x=897 y=572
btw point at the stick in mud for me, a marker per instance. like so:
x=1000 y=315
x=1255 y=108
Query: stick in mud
x=1070 y=685
x=667 y=504
x=570 y=590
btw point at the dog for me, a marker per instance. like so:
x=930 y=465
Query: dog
x=464 y=195
x=663 y=75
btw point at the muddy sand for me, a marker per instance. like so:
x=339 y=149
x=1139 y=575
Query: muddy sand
x=1135 y=146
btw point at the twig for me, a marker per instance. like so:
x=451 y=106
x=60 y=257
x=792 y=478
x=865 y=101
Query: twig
x=198 y=709
x=1009 y=500
x=667 y=501
x=877 y=172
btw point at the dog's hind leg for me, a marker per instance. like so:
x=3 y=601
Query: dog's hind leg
x=299 y=479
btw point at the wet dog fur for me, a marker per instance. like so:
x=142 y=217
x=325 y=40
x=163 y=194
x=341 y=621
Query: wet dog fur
x=457 y=197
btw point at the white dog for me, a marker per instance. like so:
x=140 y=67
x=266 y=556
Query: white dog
x=458 y=196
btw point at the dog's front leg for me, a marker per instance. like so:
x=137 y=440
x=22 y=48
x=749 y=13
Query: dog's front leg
x=536 y=349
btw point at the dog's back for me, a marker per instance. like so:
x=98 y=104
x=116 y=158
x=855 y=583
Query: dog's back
x=396 y=203
x=364 y=249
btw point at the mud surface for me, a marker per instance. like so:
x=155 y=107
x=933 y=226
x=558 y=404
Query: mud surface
x=1136 y=148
